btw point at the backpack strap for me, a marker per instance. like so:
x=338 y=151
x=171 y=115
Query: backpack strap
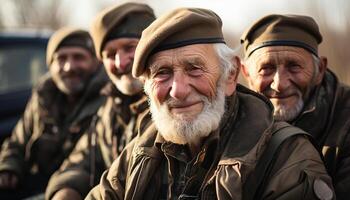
x=254 y=184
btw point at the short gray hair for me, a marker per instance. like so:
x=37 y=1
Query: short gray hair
x=225 y=55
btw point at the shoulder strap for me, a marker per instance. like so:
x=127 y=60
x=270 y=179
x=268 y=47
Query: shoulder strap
x=254 y=183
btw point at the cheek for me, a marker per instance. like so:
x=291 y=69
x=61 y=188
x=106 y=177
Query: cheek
x=261 y=84
x=160 y=91
x=108 y=65
x=89 y=67
x=303 y=83
x=206 y=84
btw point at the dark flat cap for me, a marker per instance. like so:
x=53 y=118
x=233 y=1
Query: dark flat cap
x=126 y=20
x=282 y=30
x=68 y=36
x=181 y=27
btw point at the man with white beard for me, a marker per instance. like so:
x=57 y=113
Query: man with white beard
x=282 y=63
x=205 y=133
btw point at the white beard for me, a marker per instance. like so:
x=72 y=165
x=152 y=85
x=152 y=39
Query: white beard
x=281 y=113
x=181 y=131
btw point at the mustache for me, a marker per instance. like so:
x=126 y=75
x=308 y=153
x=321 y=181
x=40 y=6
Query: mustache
x=271 y=93
x=72 y=73
x=174 y=103
x=127 y=70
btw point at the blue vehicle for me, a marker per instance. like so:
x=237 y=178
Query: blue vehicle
x=22 y=62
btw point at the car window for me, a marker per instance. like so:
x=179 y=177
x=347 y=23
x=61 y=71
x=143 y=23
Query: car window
x=21 y=65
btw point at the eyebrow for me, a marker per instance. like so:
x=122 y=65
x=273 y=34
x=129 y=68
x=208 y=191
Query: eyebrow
x=156 y=66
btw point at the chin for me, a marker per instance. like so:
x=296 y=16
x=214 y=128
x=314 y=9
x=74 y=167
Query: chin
x=288 y=113
x=129 y=89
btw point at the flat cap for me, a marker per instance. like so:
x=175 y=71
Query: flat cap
x=181 y=27
x=282 y=30
x=68 y=36
x=125 y=20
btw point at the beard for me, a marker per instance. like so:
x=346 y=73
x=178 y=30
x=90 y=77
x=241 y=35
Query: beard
x=124 y=81
x=284 y=113
x=127 y=84
x=179 y=130
x=291 y=112
x=72 y=83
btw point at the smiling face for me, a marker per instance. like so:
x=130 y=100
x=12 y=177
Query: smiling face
x=187 y=96
x=284 y=74
x=71 y=69
x=118 y=57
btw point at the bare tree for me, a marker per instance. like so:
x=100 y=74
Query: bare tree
x=40 y=14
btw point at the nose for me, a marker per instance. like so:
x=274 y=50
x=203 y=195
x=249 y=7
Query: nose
x=67 y=66
x=180 y=87
x=121 y=62
x=281 y=81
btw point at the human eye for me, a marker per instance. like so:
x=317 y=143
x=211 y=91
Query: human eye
x=130 y=48
x=109 y=54
x=266 y=69
x=79 y=57
x=60 y=58
x=194 y=69
x=161 y=73
x=294 y=67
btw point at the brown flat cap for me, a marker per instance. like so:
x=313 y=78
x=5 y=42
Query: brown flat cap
x=126 y=20
x=68 y=36
x=282 y=30
x=181 y=27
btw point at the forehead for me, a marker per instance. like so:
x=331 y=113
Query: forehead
x=119 y=42
x=71 y=50
x=195 y=52
x=280 y=54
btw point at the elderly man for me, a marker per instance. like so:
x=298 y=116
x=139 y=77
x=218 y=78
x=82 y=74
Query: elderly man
x=206 y=134
x=59 y=111
x=116 y=32
x=282 y=63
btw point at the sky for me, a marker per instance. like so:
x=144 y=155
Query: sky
x=332 y=16
x=236 y=15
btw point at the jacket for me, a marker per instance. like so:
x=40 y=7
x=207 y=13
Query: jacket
x=327 y=117
x=151 y=168
x=114 y=127
x=44 y=137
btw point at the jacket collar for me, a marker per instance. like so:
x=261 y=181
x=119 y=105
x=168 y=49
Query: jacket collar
x=50 y=98
x=318 y=110
x=238 y=126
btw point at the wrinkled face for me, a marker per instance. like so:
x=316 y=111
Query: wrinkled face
x=72 y=68
x=118 y=57
x=285 y=75
x=186 y=94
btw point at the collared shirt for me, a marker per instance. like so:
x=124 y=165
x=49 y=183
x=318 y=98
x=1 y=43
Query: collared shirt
x=186 y=174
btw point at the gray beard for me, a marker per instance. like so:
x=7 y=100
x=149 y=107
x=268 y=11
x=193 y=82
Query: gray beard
x=283 y=114
x=181 y=131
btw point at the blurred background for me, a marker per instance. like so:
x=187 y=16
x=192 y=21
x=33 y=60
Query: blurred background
x=333 y=18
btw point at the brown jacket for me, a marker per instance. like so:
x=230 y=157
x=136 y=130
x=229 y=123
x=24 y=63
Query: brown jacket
x=43 y=137
x=150 y=168
x=114 y=127
x=327 y=118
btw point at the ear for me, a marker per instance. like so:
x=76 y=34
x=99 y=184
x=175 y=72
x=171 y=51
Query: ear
x=231 y=81
x=322 y=69
x=244 y=69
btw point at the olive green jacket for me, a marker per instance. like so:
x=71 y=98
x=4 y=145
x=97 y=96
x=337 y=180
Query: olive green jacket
x=327 y=117
x=142 y=170
x=114 y=127
x=43 y=138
